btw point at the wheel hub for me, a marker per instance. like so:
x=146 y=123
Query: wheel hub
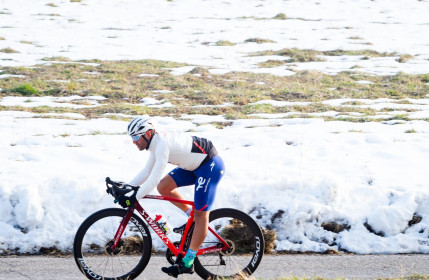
x=113 y=252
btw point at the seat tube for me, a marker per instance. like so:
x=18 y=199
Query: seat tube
x=185 y=233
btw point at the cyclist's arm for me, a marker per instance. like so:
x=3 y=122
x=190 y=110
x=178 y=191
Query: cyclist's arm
x=144 y=174
x=161 y=159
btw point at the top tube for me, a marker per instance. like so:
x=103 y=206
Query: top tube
x=160 y=197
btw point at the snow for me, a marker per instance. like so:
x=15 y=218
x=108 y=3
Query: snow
x=148 y=75
x=4 y=76
x=187 y=31
x=363 y=82
x=51 y=101
x=53 y=170
x=359 y=174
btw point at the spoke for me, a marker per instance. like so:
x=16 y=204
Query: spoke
x=121 y=264
x=232 y=230
x=105 y=267
x=113 y=266
x=234 y=263
x=99 y=234
x=102 y=240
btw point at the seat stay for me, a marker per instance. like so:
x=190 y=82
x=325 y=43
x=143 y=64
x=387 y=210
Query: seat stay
x=219 y=237
x=214 y=248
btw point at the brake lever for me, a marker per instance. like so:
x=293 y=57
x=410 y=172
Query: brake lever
x=110 y=187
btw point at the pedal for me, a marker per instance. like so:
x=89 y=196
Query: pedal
x=180 y=230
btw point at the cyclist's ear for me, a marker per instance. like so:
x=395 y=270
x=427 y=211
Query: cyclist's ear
x=149 y=133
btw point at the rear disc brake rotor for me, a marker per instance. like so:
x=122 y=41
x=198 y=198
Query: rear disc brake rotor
x=230 y=250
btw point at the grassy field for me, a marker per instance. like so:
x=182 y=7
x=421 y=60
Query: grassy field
x=125 y=83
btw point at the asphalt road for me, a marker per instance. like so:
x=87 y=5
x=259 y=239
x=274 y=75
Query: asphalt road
x=272 y=267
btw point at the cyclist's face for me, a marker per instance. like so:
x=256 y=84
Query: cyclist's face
x=141 y=143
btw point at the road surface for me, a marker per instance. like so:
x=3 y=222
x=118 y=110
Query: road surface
x=272 y=267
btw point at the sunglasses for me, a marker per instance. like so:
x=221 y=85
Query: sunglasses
x=135 y=137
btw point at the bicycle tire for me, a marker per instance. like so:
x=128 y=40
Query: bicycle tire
x=91 y=246
x=246 y=241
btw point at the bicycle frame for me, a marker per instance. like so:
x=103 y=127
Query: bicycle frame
x=151 y=222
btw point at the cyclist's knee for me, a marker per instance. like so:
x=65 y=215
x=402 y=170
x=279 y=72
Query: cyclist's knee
x=201 y=215
x=166 y=185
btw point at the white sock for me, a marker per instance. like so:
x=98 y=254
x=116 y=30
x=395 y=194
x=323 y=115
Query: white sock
x=188 y=212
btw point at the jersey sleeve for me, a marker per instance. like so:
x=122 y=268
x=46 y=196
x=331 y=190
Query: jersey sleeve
x=142 y=176
x=160 y=162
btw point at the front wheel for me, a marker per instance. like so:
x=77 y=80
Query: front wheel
x=246 y=242
x=93 y=240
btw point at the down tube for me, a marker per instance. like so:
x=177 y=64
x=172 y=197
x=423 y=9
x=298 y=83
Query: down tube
x=157 y=230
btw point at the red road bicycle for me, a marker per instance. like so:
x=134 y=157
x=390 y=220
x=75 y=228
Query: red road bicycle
x=115 y=243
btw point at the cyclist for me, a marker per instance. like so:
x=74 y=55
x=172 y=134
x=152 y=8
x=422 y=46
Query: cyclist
x=198 y=164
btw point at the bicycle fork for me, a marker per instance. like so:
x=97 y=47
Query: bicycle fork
x=120 y=231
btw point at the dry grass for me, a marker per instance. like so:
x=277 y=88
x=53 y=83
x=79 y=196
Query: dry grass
x=8 y=50
x=120 y=82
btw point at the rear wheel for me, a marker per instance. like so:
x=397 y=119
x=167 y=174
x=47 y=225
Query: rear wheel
x=93 y=240
x=246 y=242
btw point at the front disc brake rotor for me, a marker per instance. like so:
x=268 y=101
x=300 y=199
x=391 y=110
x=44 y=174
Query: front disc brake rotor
x=116 y=251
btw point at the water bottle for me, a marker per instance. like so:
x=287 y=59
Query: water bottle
x=162 y=223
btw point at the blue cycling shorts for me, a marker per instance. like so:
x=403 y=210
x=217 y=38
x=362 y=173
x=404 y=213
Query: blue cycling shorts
x=205 y=178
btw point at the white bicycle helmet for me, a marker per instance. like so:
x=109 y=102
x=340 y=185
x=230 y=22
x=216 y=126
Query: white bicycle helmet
x=139 y=126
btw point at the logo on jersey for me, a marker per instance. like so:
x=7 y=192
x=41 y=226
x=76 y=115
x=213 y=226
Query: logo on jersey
x=201 y=182
x=212 y=165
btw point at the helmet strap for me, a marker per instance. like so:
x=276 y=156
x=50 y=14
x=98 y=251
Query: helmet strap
x=150 y=133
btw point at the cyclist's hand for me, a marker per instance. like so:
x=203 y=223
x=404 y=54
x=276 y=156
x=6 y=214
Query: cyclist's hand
x=125 y=200
x=110 y=183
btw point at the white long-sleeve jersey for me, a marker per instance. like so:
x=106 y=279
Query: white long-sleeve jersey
x=187 y=152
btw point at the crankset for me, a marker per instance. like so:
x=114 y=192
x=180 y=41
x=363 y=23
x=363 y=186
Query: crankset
x=171 y=258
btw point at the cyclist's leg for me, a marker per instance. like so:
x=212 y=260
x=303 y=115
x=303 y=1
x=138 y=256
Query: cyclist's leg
x=201 y=219
x=208 y=177
x=176 y=178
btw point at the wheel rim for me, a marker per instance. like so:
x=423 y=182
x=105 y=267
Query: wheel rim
x=234 y=261
x=97 y=255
